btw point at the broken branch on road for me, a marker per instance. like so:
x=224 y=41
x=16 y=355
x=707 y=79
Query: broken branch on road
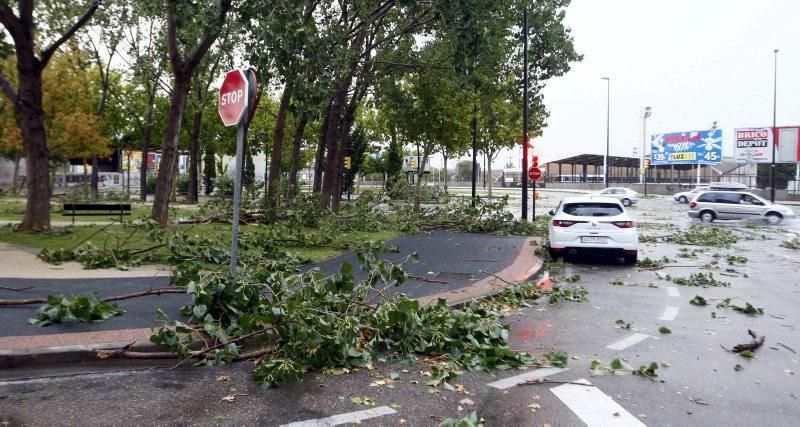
x=758 y=340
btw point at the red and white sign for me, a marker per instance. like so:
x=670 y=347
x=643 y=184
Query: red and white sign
x=233 y=97
x=534 y=173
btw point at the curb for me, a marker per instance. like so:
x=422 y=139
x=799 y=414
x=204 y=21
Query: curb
x=45 y=356
x=520 y=270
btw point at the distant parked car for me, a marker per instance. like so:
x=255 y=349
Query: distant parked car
x=713 y=205
x=625 y=195
x=593 y=225
x=686 y=196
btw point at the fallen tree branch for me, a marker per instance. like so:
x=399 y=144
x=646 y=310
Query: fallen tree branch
x=787 y=347
x=758 y=340
x=498 y=278
x=157 y=291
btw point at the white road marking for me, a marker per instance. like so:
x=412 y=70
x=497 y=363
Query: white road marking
x=594 y=407
x=670 y=313
x=347 y=418
x=673 y=291
x=627 y=342
x=528 y=376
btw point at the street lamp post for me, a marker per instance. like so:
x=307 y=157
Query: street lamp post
x=608 y=130
x=774 y=131
x=647 y=113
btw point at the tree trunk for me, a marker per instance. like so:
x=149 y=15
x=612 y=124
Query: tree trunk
x=85 y=182
x=30 y=119
x=169 y=153
x=95 y=184
x=15 y=178
x=295 y=164
x=194 y=159
x=332 y=145
x=489 y=178
x=444 y=154
x=420 y=174
x=277 y=144
x=319 y=158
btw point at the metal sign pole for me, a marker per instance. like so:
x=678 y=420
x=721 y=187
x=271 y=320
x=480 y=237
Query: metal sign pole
x=237 y=193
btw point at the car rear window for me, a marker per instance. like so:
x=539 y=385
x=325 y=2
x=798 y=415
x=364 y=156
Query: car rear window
x=592 y=209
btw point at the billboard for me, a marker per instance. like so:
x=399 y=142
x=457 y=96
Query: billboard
x=687 y=148
x=753 y=145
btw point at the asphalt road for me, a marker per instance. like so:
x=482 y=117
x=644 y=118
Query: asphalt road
x=700 y=383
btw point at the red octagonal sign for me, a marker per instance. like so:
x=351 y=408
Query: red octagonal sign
x=534 y=173
x=233 y=98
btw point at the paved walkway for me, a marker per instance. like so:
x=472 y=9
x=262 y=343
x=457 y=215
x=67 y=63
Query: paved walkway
x=454 y=266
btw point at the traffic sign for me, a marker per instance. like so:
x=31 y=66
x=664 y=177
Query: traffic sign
x=234 y=97
x=253 y=93
x=534 y=173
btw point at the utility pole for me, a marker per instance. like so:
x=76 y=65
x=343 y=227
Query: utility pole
x=774 y=131
x=608 y=130
x=524 y=172
x=647 y=114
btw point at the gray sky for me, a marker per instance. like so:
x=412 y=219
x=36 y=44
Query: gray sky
x=692 y=61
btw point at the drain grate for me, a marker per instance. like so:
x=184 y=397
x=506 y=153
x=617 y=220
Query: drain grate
x=442 y=275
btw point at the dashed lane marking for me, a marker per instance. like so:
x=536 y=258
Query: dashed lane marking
x=528 y=376
x=594 y=407
x=629 y=341
x=670 y=313
x=673 y=291
x=347 y=418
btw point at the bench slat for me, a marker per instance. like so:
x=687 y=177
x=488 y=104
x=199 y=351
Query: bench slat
x=95 y=207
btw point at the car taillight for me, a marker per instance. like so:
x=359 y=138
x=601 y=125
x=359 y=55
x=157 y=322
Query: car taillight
x=565 y=223
x=692 y=204
x=624 y=224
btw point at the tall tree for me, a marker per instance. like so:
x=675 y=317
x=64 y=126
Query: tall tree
x=33 y=51
x=183 y=63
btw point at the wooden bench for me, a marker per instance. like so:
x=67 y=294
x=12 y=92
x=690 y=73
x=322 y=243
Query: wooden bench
x=95 y=209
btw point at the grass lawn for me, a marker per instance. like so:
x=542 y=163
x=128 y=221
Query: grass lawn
x=68 y=237
x=14 y=210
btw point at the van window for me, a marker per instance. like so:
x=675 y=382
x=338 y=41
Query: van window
x=731 y=198
x=592 y=209
x=706 y=197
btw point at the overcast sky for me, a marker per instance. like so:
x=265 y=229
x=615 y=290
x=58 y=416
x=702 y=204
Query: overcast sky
x=692 y=61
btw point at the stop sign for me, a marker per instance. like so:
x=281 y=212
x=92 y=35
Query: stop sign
x=534 y=173
x=233 y=97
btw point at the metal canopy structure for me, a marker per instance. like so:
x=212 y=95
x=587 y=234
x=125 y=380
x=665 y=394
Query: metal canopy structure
x=589 y=168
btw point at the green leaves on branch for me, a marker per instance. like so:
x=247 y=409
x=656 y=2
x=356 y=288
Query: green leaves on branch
x=88 y=308
x=793 y=243
x=700 y=279
x=698 y=235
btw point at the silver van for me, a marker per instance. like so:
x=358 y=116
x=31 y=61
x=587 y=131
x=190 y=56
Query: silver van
x=713 y=205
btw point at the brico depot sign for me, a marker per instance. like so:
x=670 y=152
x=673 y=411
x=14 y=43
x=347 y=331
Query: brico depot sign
x=753 y=145
x=234 y=97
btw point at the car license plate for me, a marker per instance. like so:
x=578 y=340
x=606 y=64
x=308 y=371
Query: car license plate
x=594 y=240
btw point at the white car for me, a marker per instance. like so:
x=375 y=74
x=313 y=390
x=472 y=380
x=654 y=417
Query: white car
x=625 y=195
x=593 y=225
x=687 y=196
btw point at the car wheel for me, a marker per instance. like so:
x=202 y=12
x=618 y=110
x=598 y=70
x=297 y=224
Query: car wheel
x=683 y=199
x=774 y=218
x=707 y=216
x=626 y=202
x=631 y=259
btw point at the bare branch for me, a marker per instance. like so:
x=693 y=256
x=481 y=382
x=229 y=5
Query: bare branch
x=11 y=22
x=48 y=53
x=194 y=60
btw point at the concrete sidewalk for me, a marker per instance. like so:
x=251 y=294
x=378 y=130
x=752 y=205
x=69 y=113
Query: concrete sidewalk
x=457 y=267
